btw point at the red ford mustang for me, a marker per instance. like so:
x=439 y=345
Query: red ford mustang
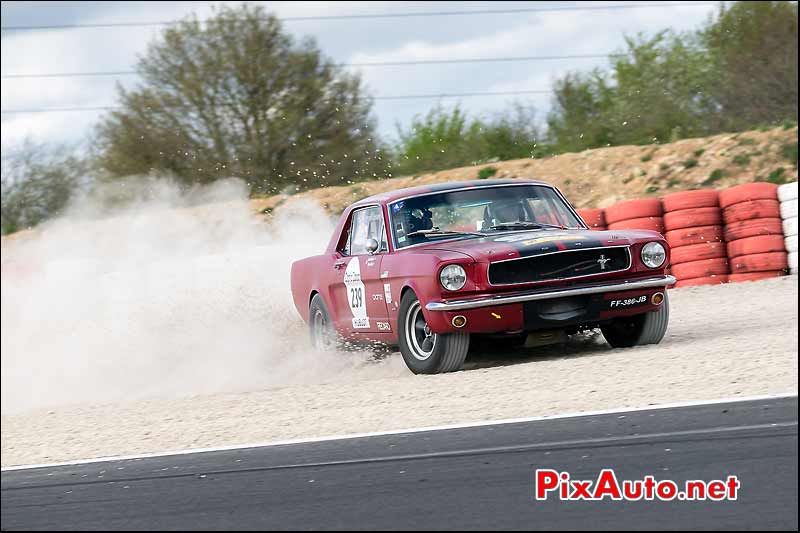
x=430 y=268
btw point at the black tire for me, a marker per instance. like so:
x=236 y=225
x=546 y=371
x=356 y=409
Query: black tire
x=647 y=328
x=425 y=352
x=323 y=335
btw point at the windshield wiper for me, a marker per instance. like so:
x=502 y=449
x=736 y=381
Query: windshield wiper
x=525 y=225
x=437 y=232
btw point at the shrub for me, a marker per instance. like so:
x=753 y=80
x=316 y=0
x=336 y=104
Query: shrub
x=741 y=160
x=715 y=176
x=789 y=152
x=486 y=172
x=777 y=176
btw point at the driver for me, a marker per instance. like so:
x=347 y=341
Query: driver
x=504 y=212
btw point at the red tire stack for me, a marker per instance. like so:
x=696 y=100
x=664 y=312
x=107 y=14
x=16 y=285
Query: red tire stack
x=694 y=231
x=645 y=213
x=594 y=218
x=754 y=231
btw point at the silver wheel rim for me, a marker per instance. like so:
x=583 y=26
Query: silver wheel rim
x=321 y=336
x=419 y=337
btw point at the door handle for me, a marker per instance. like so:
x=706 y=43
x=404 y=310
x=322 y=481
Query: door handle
x=338 y=264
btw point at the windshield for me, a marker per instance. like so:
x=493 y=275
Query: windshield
x=481 y=209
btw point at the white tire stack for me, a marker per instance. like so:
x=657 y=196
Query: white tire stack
x=787 y=194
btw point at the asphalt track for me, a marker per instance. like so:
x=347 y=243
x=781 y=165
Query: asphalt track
x=471 y=478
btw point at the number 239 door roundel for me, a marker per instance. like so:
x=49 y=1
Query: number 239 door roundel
x=355 y=294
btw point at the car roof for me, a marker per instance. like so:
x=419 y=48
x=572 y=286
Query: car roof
x=397 y=194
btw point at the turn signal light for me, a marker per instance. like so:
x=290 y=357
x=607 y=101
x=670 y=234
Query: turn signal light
x=658 y=298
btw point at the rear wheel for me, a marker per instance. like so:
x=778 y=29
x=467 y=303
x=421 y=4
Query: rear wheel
x=323 y=335
x=423 y=351
x=647 y=328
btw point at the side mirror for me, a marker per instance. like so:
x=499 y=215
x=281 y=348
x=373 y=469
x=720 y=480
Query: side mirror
x=372 y=246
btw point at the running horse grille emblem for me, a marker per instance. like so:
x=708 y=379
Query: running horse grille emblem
x=602 y=261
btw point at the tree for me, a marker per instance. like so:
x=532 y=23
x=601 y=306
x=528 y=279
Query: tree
x=579 y=115
x=753 y=49
x=739 y=72
x=657 y=90
x=38 y=181
x=448 y=138
x=236 y=96
x=661 y=90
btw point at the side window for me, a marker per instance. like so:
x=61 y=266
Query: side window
x=365 y=224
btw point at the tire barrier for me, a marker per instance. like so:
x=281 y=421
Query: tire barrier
x=759 y=262
x=788 y=208
x=790 y=227
x=751 y=210
x=631 y=209
x=790 y=243
x=710 y=280
x=698 y=252
x=747 y=193
x=695 y=235
x=755 y=276
x=787 y=195
x=787 y=192
x=760 y=244
x=751 y=213
x=745 y=233
x=594 y=218
x=648 y=223
x=693 y=221
x=690 y=200
x=753 y=228
x=701 y=269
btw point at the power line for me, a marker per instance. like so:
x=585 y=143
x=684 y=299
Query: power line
x=375 y=15
x=387 y=97
x=365 y=64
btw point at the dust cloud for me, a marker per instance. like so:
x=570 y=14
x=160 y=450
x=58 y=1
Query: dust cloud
x=177 y=293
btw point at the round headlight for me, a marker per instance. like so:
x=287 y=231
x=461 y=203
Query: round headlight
x=453 y=277
x=653 y=254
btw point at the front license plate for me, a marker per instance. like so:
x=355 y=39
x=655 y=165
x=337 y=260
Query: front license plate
x=625 y=303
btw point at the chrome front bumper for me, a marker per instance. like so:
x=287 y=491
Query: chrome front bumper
x=515 y=298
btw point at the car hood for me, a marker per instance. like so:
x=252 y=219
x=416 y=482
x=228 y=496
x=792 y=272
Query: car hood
x=535 y=242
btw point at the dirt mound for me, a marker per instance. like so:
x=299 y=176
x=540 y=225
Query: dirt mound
x=604 y=176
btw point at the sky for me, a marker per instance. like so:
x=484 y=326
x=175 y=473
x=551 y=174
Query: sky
x=548 y=32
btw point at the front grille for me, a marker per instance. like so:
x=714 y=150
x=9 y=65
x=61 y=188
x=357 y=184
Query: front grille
x=560 y=265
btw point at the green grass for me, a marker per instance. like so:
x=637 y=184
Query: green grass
x=689 y=163
x=777 y=176
x=699 y=152
x=646 y=157
x=651 y=189
x=715 y=176
x=486 y=172
x=789 y=124
x=789 y=152
x=741 y=160
x=663 y=166
x=673 y=182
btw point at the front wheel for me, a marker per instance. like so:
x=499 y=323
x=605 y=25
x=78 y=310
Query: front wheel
x=423 y=351
x=647 y=328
